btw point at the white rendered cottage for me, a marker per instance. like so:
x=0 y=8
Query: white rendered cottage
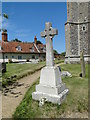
x=21 y=51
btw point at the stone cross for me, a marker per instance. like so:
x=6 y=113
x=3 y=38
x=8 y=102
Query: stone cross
x=48 y=34
x=50 y=86
x=82 y=64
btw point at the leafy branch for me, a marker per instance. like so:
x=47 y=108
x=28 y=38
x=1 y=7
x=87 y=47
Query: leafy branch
x=5 y=16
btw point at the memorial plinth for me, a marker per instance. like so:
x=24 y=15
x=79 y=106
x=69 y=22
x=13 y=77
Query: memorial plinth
x=50 y=86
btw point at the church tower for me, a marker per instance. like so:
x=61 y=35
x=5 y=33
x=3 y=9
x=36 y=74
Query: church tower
x=77 y=31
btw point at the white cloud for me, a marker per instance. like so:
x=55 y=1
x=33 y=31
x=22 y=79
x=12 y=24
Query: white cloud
x=0 y=22
x=0 y=19
x=14 y=28
x=22 y=33
x=3 y=23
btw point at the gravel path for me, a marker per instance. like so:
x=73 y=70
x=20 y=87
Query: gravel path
x=12 y=97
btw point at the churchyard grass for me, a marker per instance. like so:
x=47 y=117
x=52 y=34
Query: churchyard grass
x=16 y=71
x=58 y=61
x=75 y=102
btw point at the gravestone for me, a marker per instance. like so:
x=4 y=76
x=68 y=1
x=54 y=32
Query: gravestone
x=82 y=64
x=3 y=67
x=50 y=86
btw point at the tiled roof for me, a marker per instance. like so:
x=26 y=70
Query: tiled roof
x=11 y=47
x=41 y=47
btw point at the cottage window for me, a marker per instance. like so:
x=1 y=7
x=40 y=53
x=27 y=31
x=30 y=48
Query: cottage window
x=33 y=56
x=12 y=56
x=32 y=48
x=19 y=48
x=44 y=57
x=6 y=56
x=19 y=57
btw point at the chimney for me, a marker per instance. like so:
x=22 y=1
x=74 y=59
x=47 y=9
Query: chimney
x=4 y=37
x=35 y=40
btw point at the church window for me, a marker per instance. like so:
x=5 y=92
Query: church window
x=84 y=28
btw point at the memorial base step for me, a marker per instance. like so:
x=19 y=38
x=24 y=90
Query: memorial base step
x=56 y=99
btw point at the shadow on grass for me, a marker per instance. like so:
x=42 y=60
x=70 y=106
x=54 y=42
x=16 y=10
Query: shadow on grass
x=75 y=102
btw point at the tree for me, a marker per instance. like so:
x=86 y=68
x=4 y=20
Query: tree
x=4 y=15
x=39 y=42
x=55 y=51
x=16 y=40
x=63 y=53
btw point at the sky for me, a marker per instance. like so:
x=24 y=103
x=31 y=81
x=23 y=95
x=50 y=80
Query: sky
x=27 y=19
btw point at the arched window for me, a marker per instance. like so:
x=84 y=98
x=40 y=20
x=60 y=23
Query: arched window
x=84 y=28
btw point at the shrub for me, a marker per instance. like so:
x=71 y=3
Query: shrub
x=9 y=61
x=27 y=60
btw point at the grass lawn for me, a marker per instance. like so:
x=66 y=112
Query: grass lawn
x=21 y=70
x=75 y=102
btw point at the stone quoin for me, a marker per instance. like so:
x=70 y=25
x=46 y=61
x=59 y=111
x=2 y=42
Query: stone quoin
x=77 y=31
